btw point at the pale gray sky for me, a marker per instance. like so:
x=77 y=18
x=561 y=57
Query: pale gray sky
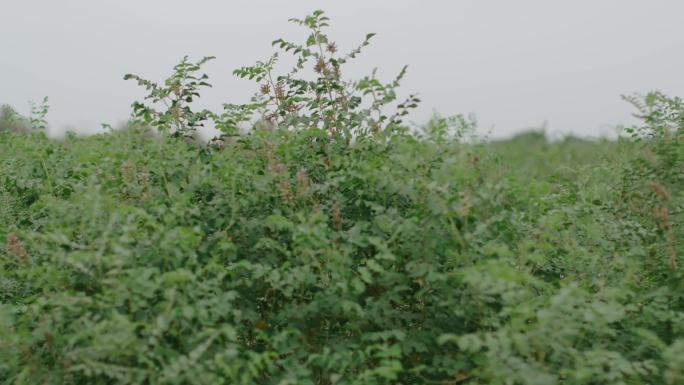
x=515 y=64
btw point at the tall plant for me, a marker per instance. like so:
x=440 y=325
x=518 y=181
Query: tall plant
x=313 y=94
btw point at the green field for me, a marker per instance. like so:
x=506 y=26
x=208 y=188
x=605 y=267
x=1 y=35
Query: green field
x=339 y=247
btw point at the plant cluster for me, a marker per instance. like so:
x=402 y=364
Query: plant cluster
x=340 y=247
x=11 y=120
x=312 y=95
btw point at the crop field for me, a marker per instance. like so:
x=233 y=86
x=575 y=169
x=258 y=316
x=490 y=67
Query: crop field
x=335 y=243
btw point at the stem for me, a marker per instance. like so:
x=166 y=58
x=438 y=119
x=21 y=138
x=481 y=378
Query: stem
x=317 y=33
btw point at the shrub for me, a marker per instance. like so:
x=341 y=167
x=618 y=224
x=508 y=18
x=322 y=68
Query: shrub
x=300 y=256
x=313 y=95
x=11 y=120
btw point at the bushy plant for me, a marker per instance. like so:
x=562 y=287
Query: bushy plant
x=175 y=97
x=313 y=95
x=300 y=256
x=11 y=120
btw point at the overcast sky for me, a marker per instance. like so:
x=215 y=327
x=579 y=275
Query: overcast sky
x=515 y=64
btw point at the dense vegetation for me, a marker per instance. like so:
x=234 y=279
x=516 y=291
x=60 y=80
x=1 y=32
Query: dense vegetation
x=336 y=245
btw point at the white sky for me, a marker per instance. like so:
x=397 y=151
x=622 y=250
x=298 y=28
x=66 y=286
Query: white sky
x=515 y=64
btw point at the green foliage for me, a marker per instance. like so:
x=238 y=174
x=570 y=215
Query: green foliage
x=314 y=94
x=175 y=96
x=291 y=257
x=451 y=128
x=11 y=120
x=38 y=114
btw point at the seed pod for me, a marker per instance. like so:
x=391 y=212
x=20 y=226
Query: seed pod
x=658 y=189
x=279 y=91
x=337 y=216
x=303 y=182
x=176 y=88
x=15 y=247
x=285 y=190
x=320 y=66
